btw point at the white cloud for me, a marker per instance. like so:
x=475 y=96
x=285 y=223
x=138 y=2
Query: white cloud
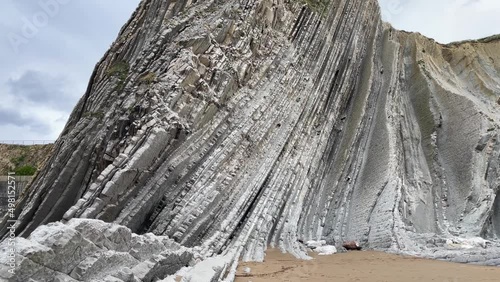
x=444 y=20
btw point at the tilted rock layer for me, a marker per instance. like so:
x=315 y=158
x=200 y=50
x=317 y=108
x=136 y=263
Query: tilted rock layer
x=230 y=126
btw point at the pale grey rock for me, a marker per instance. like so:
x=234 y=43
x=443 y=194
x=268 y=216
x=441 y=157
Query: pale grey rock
x=92 y=250
x=230 y=126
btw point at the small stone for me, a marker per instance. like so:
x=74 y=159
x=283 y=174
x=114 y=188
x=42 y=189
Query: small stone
x=351 y=246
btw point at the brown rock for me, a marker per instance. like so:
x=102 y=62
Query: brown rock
x=351 y=246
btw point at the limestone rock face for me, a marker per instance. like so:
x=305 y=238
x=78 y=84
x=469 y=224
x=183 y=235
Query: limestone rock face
x=230 y=126
x=92 y=250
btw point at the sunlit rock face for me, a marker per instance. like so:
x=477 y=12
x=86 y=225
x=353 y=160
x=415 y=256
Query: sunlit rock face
x=231 y=126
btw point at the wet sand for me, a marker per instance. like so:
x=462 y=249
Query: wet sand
x=362 y=266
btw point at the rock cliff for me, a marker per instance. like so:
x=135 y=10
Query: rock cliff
x=229 y=126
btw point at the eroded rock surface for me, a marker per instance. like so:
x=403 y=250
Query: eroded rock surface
x=231 y=126
x=92 y=250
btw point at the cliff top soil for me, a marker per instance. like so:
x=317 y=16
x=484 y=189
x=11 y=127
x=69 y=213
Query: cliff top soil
x=13 y=156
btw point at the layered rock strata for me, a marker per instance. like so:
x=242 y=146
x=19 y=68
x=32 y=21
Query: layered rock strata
x=230 y=126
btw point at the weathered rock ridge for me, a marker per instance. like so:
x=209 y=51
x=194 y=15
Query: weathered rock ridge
x=229 y=126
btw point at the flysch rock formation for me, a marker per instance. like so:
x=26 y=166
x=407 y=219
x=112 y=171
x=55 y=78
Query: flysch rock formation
x=231 y=126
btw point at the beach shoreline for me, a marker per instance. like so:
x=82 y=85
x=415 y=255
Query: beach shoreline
x=361 y=266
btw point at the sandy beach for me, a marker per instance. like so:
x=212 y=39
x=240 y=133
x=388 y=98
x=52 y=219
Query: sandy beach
x=362 y=266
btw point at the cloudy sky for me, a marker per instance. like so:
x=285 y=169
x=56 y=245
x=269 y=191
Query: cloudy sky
x=49 y=48
x=444 y=20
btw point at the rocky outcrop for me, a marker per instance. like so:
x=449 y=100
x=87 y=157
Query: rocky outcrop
x=91 y=250
x=231 y=126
